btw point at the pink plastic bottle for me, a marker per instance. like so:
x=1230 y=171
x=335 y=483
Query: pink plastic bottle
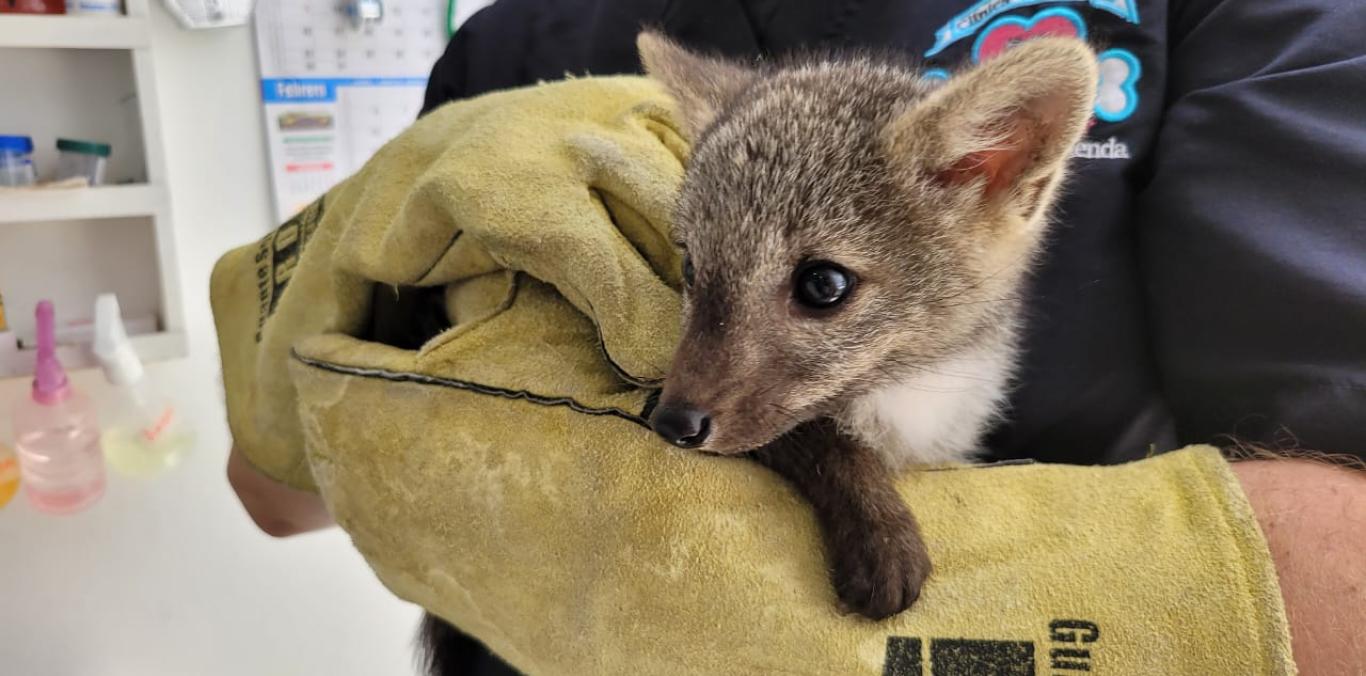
x=57 y=435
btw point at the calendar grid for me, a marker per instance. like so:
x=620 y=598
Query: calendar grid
x=334 y=92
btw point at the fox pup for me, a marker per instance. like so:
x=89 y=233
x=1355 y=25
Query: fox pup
x=855 y=243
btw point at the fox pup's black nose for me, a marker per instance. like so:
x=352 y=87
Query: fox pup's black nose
x=682 y=426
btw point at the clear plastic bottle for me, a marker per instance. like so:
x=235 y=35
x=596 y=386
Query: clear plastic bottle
x=144 y=435
x=57 y=434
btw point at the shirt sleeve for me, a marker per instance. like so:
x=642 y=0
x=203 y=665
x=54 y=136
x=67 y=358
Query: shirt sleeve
x=1253 y=225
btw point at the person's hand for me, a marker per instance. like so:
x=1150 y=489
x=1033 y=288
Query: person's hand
x=1314 y=518
x=277 y=509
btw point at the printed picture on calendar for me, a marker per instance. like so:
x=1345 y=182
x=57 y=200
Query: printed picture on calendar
x=298 y=120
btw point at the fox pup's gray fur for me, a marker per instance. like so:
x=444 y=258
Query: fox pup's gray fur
x=856 y=243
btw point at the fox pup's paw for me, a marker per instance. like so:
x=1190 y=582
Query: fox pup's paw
x=879 y=572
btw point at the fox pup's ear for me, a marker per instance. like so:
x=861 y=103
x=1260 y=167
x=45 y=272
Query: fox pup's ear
x=1005 y=127
x=701 y=84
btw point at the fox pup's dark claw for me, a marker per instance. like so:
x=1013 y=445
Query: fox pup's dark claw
x=879 y=574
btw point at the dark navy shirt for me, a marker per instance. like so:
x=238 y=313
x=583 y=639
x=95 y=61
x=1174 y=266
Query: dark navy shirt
x=1207 y=273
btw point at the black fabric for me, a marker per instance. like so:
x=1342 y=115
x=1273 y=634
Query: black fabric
x=1207 y=275
x=447 y=652
x=1254 y=223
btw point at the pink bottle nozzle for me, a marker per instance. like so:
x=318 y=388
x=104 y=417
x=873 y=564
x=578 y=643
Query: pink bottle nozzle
x=49 y=378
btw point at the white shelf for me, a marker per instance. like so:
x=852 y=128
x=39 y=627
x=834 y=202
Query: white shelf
x=151 y=347
x=137 y=262
x=74 y=32
x=57 y=204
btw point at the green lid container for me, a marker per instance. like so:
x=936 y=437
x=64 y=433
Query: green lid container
x=68 y=145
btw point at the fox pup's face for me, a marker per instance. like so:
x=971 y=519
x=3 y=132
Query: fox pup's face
x=846 y=227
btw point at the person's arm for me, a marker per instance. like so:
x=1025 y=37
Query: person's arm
x=277 y=509
x=1314 y=518
x=1253 y=226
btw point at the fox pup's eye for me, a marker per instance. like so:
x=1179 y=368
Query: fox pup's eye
x=689 y=274
x=822 y=285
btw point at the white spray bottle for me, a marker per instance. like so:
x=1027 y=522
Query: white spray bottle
x=144 y=435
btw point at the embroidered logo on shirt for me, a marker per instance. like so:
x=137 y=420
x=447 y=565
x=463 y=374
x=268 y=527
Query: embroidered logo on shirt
x=1116 y=92
x=974 y=17
x=935 y=76
x=1008 y=31
x=1109 y=149
x=1118 y=95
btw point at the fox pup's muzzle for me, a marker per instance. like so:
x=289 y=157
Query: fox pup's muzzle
x=682 y=425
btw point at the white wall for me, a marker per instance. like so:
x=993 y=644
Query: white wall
x=169 y=577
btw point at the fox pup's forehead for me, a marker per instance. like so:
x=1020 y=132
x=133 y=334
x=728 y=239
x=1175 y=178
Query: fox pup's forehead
x=779 y=120
x=791 y=158
x=760 y=197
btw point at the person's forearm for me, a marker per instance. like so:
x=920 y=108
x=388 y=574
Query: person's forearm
x=277 y=509
x=1314 y=518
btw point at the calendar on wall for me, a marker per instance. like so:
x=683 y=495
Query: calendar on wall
x=339 y=78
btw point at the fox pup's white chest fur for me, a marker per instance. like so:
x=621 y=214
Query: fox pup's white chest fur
x=938 y=416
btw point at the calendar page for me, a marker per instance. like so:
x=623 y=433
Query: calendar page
x=340 y=78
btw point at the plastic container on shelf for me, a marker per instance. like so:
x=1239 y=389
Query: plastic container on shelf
x=96 y=7
x=82 y=159
x=16 y=161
